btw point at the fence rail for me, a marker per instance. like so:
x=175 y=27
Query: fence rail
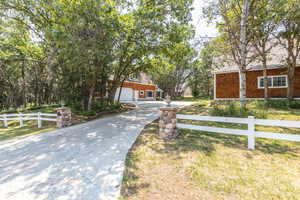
x=21 y=117
x=250 y=132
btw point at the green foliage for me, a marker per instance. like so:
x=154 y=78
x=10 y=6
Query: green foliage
x=31 y=108
x=283 y=104
x=67 y=50
x=88 y=113
x=233 y=109
x=201 y=79
x=100 y=106
x=294 y=104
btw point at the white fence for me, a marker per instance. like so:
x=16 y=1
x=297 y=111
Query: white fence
x=251 y=133
x=30 y=116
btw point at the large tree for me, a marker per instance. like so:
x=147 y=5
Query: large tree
x=78 y=48
x=288 y=35
x=262 y=25
x=233 y=27
x=201 y=78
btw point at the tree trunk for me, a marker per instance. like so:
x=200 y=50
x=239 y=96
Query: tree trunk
x=290 y=90
x=120 y=91
x=243 y=88
x=265 y=73
x=112 y=92
x=91 y=95
x=243 y=50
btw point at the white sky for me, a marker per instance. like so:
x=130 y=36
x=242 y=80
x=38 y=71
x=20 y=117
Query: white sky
x=203 y=29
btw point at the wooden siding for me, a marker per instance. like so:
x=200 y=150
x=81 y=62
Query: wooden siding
x=140 y=87
x=227 y=84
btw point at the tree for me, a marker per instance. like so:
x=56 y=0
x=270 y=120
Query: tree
x=175 y=67
x=262 y=26
x=200 y=80
x=288 y=36
x=76 y=49
x=234 y=30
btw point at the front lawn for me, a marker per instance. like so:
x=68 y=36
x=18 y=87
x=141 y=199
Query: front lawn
x=202 y=165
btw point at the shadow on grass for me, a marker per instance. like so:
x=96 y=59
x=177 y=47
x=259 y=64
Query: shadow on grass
x=205 y=142
x=130 y=184
x=189 y=140
x=13 y=130
x=192 y=141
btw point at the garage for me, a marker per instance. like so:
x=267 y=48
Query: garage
x=127 y=94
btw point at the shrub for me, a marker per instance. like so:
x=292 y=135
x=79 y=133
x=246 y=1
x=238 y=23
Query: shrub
x=100 y=106
x=88 y=113
x=294 y=104
x=283 y=104
x=234 y=110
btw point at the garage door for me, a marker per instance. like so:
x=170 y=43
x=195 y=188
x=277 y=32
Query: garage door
x=127 y=94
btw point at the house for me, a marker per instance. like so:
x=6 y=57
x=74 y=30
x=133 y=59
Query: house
x=136 y=91
x=138 y=88
x=226 y=79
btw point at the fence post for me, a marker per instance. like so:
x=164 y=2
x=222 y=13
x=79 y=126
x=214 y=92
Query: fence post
x=251 y=132
x=39 y=120
x=5 y=120
x=21 y=120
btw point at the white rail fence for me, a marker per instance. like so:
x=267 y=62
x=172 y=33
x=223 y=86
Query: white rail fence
x=251 y=133
x=28 y=116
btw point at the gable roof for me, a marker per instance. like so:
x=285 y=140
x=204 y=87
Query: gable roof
x=275 y=60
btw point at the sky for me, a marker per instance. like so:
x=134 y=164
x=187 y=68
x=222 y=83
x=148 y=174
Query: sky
x=203 y=29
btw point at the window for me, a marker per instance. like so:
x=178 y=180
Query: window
x=279 y=81
x=142 y=92
x=261 y=82
x=273 y=82
x=150 y=93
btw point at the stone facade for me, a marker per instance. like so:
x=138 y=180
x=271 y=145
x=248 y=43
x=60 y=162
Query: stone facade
x=167 y=123
x=64 y=117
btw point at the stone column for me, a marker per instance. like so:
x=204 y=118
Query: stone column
x=167 y=123
x=64 y=117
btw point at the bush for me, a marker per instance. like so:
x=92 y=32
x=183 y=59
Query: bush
x=88 y=113
x=229 y=110
x=30 y=108
x=294 y=104
x=234 y=110
x=283 y=104
x=100 y=106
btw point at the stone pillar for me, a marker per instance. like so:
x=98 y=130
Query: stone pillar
x=167 y=123
x=64 y=117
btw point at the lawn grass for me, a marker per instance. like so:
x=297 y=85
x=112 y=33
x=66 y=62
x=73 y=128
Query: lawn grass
x=30 y=127
x=212 y=166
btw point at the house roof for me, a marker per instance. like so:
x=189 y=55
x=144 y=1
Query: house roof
x=275 y=60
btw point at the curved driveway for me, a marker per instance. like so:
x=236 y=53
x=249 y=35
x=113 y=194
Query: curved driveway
x=82 y=162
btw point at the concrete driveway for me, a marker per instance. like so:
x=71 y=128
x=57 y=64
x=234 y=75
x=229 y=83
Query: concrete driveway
x=82 y=162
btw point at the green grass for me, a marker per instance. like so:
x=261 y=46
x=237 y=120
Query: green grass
x=30 y=127
x=203 y=165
